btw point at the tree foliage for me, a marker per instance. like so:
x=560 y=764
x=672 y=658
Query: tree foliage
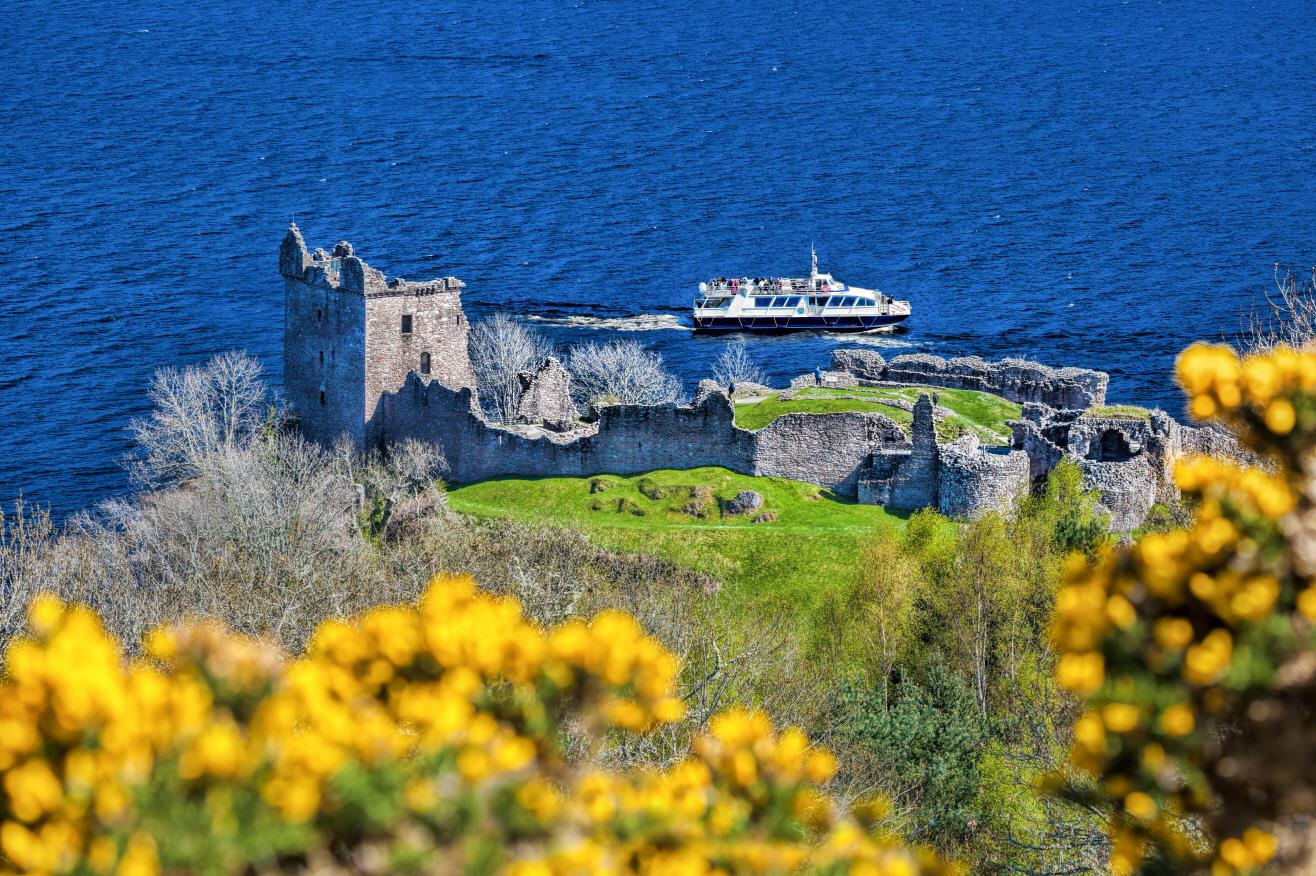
x=943 y=640
x=620 y=372
x=198 y=413
x=927 y=736
x=735 y=365
x=501 y=349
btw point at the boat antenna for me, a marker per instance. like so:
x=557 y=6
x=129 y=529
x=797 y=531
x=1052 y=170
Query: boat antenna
x=813 y=253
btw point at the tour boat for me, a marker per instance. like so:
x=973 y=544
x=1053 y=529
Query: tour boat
x=818 y=303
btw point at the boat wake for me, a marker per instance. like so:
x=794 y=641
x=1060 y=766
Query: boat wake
x=644 y=322
x=877 y=338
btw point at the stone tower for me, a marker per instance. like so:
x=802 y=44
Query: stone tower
x=915 y=485
x=351 y=336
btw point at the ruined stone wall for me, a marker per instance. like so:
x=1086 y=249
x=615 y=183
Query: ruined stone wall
x=973 y=480
x=828 y=449
x=831 y=450
x=546 y=396
x=1015 y=379
x=1129 y=460
x=915 y=484
x=874 y=487
x=1128 y=489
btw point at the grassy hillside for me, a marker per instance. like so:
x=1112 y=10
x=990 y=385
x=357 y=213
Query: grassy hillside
x=982 y=413
x=806 y=538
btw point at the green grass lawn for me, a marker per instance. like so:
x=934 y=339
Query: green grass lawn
x=1128 y=412
x=982 y=413
x=809 y=543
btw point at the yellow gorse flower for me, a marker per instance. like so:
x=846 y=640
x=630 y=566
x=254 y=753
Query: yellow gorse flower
x=1172 y=638
x=441 y=720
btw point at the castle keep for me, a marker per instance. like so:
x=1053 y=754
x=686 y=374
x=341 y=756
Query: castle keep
x=351 y=336
x=381 y=361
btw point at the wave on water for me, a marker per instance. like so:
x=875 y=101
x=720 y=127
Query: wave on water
x=877 y=339
x=644 y=322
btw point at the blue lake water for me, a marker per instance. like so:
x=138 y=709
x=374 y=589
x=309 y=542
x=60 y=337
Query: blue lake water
x=1089 y=183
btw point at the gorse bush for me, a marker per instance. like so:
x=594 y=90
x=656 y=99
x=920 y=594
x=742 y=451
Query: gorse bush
x=1194 y=648
x=419 y=738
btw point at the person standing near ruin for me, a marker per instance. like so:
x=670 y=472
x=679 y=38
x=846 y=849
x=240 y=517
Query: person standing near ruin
x=817 y=375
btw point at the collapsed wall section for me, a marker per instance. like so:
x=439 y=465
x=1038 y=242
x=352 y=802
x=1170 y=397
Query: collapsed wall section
x=832 y=450
x=973 y=480
x=1015 y=379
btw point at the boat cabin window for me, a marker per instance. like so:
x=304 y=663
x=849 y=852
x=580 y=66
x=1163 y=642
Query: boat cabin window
x=762 y=302
x=793 y=301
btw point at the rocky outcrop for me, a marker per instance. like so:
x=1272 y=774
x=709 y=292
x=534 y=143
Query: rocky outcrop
x=744 y=502
x=1015 y=379
x=546 y=395
x=864 y=364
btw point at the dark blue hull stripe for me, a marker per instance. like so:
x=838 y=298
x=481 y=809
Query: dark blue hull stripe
x=790 y=323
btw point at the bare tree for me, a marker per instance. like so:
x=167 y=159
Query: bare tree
x=500 y=350
x=1288 y=317
x=200 y=411
x=621 y=372
x=734 y=365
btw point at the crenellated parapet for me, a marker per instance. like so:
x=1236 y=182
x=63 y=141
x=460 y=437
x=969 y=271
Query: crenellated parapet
x=341 y=270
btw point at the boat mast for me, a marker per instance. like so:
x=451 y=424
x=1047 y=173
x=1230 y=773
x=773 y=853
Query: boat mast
x=813 y=262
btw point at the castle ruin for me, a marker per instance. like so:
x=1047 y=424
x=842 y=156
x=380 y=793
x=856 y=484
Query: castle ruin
x=381 y=361
x=352 y=336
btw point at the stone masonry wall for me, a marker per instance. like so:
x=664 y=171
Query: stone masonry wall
x=915 y=484
x=973 y=479
x=341 y=310
x=1015 y=379
x=546 y=395
x=323 y=350
x=830 y=450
